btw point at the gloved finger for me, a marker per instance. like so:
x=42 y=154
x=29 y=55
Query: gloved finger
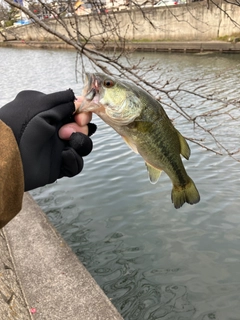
x=59 y=98
x=29 y=96
x=61 y=113
x=72 y=163
x=91 y=128
x=24 y=107
x=81 y=143
x=29 y=103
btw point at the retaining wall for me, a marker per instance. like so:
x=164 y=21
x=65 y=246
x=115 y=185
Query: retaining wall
x=196 y=21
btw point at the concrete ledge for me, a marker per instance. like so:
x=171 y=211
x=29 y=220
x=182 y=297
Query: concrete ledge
x=52 y=279
x=161 y=46
x=178 y=46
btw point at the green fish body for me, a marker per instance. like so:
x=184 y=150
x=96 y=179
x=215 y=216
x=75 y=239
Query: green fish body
x=145 y=127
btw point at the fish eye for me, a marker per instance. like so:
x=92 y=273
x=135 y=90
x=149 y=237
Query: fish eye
x=108 y=83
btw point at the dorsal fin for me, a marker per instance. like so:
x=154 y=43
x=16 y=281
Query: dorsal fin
x=185 y=150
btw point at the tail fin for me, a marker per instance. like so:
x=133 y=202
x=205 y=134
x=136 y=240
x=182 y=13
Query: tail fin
x=188 y=193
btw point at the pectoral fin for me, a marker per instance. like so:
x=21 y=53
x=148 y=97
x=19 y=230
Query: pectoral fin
x=130 y=144
x=153 y=173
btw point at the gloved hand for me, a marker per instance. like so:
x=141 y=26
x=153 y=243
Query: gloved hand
x=35 y=119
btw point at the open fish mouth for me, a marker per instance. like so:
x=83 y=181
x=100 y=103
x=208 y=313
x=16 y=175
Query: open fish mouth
x=91 y=87
x=91 y=93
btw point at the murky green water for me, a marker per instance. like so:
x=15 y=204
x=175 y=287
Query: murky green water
x=153 y=261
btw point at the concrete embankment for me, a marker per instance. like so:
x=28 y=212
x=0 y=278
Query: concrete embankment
x=47 y=281
x=196 y=21
x=193 y=27
x=163 y=46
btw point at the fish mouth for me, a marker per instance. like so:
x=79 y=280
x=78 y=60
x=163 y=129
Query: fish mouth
x=91 y=87
x=91 y=93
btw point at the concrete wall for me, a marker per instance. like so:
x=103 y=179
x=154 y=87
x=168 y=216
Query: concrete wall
x=195 y=21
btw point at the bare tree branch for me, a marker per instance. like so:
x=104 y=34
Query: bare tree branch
x=174 y=95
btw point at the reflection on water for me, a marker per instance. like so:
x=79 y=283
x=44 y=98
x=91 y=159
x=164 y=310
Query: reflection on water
x=153 y=262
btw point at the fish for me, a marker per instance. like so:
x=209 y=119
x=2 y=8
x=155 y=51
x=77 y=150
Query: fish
x=145 y=127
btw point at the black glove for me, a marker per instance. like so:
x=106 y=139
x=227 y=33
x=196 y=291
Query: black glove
x=35 y=119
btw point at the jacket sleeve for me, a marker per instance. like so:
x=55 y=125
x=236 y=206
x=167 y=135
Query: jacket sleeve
x=11 y=176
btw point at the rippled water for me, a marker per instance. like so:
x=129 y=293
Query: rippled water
x=153 y=262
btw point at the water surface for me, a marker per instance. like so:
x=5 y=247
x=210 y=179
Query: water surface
x=152 y=261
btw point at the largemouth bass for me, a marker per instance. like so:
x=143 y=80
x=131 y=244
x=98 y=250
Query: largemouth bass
x=145 y=127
